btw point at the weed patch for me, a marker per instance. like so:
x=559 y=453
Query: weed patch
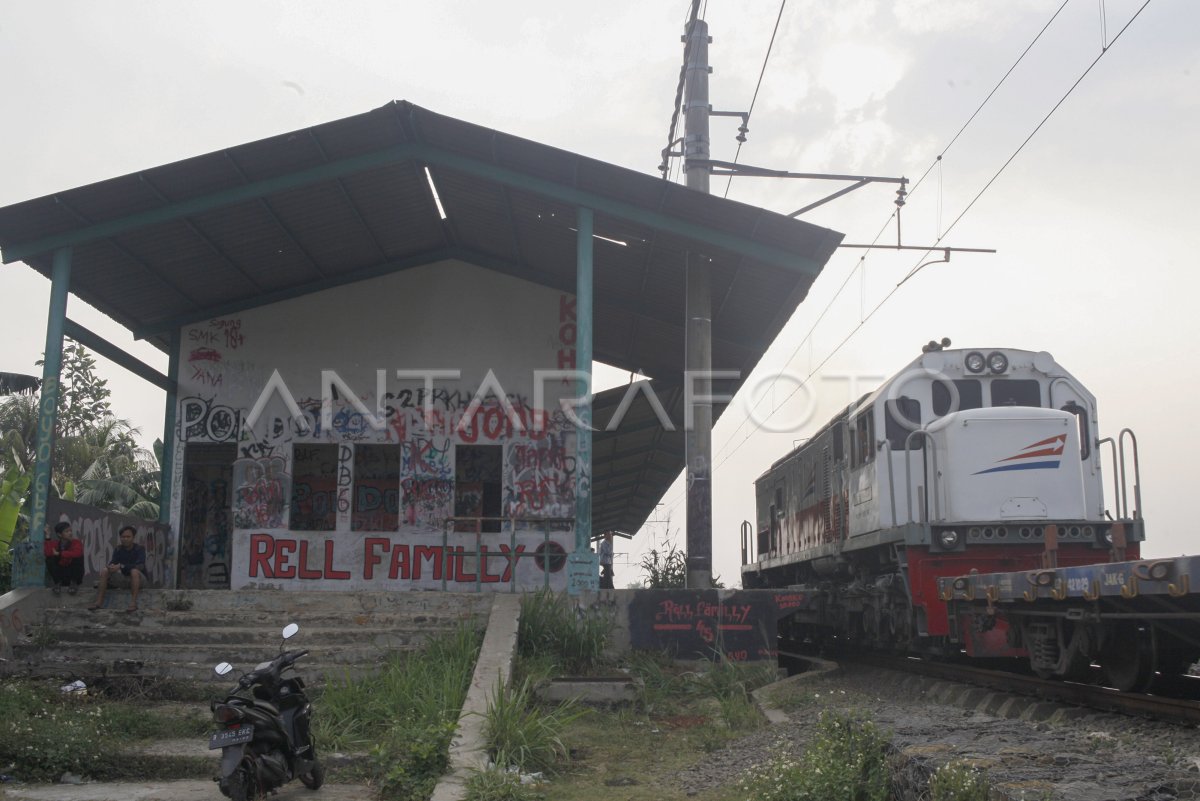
x=45 y=733
x=405 y=715
x=845 y=761
x=497 y=785
x=523 y=735
x=958 y=781
x=555 y=629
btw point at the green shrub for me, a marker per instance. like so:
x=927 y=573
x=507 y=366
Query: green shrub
x=551 y=625
x=958 y=781
x=845 y=761
x=522 y=735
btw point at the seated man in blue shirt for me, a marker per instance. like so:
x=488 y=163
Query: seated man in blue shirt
x=126 y=568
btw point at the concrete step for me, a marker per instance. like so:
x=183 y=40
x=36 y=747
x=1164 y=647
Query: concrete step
x=237 y=653
x=398 y=635
x=283 y=601
x=93 y=670
x=183 y=633
x=183 y=790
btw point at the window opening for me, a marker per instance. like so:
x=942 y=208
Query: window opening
x=902 y=417
x=314 y=488
x=839 y=444
x=376 y=488
x=478 y=486
x=970 y=396
x=863 y=439
x=1016 y=392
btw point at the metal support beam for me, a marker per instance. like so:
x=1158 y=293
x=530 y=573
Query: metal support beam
x=90 y=339
x=166 y=484
x=583 y=364
x=582 y=563
x=29 y=569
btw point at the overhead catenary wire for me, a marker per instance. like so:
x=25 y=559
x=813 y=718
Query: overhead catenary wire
x=920 y=261
x=957 y=219
x=757 y=86
x=860 y=265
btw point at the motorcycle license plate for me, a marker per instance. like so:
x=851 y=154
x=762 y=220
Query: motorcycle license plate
x=220 y=739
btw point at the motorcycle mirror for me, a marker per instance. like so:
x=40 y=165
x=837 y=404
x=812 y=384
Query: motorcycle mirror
x=223 y=669
x=290 y=630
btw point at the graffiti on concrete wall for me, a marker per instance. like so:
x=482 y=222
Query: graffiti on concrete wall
x=262 y=488
x=98 y=530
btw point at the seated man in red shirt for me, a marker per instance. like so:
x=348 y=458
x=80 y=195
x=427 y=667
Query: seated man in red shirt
x=64 y=559
x=127 y=567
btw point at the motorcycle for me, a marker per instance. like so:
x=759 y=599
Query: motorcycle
x=264 y=733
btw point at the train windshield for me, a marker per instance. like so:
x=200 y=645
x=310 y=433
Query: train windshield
x=955 y=396
x=1016 y=392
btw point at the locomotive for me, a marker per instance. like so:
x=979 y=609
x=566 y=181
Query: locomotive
x=967 y=462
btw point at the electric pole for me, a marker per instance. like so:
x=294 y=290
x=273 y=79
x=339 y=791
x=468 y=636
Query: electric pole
x=698 y=313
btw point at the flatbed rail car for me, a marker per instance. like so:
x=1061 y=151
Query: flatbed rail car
x=1139 y=620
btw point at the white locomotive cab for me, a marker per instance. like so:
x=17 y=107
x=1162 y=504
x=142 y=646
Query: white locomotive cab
x=1010 y=463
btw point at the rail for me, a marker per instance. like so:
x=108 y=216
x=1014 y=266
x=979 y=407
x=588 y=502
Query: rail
x=513 y=555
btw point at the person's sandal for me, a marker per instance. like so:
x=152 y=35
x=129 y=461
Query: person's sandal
x=132 y=608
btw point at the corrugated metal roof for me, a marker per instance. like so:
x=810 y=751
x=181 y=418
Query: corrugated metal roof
x=348 y=200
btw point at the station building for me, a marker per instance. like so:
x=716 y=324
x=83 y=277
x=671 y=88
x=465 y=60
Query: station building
x=377 y=329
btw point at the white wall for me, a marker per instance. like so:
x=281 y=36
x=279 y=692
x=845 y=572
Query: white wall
x=444 y=316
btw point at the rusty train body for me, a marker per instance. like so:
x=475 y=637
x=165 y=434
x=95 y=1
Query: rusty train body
x=968 y=462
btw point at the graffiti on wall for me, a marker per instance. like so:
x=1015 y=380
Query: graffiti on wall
x=98 y=530
x=373 y=561
x=262 y=488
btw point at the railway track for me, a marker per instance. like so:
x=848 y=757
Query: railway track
x=1185 y=710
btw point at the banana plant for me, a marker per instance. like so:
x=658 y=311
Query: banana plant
x=14 y=490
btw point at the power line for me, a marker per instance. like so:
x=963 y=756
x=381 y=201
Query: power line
x=757 y=86
x=862 y=260
x=957 y=219
x=687 y=47
x=952 y=225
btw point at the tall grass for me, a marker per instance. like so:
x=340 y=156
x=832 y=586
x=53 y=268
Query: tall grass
x=522 y=735
x=405 y=715
x=553 y=629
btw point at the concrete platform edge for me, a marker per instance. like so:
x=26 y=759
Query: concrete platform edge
x=468 y=750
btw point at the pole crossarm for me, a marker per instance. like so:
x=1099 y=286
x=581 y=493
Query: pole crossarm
x=750 y=171
x=429 y=154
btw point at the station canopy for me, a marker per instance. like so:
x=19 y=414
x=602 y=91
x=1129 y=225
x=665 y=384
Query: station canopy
x=353 y=199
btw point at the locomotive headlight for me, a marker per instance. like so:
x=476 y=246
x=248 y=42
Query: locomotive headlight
x=975 y=362
x=948 y=540
x=997 y=362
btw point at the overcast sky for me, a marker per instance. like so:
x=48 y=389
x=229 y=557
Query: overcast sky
x=1093 y=219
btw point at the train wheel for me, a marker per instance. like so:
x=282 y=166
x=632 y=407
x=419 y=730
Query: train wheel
x=1128 y=657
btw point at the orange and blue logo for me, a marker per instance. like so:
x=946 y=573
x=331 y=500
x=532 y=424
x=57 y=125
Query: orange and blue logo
x=1037 y=456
